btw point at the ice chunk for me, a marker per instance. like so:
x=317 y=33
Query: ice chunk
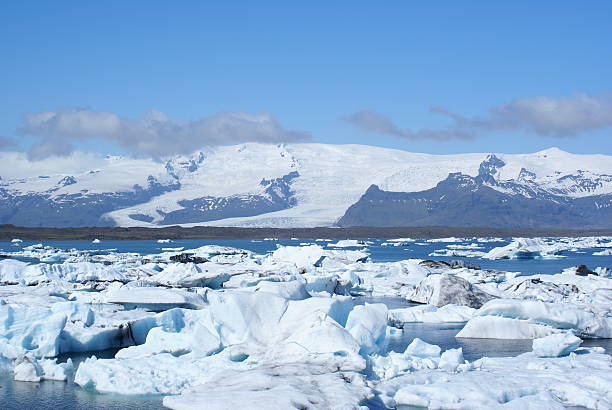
x=291 y=290
x=31 y=329
x=497 y=327
x=154 y=298
x=28 y=369
x=237 y=329
x=560 y=344
x=192 y=275
x=26 y=372
x=529 y=319
x=350 y=243
x=523 y=382
x=11 y=271
x=422 y=349
x=430 y=314
x=14 y=272
x=444 y=289
x=525 y=248
x=451 y=359
x=605 y=252
x=276 y=387
x=368 y=325
x=315 y=256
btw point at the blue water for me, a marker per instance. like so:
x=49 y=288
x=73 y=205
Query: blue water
x=378 y=253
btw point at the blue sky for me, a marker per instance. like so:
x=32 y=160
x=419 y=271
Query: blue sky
x=334 y=72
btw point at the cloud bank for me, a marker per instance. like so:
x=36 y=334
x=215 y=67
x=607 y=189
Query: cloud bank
x=6 y=142
x=546 y=116
x=153 y=135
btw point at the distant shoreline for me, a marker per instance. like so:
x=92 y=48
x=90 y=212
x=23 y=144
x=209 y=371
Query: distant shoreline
x=8 y=232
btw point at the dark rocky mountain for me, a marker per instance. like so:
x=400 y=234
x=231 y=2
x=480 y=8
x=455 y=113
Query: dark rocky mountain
x=79 y=209
x=484 y=200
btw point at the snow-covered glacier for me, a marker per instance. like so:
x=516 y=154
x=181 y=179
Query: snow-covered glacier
x=295 y=185
x=303 y=327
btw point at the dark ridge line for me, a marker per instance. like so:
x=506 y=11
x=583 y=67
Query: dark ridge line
x=8 y=232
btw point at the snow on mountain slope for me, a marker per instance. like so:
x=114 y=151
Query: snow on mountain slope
x=285 y=185
x=107 y=174
x=331 y=178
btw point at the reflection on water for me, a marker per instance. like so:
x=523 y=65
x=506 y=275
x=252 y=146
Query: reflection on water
x=443 y=335
x=67 y=395
x=62 y=395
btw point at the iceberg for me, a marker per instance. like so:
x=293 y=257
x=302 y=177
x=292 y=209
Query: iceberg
x=154 y=298
x=530 y=319
x=555 y=345
x=430 y=314
x=525 y=248
x=28 y=369
x=521 y=382
x=422 y=349
x=444 y=289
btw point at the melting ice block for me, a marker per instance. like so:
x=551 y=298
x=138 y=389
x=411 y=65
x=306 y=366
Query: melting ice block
x=531 y=319
x=445 y=289
x=422 y=349
x=560 y=344
x=451 y=359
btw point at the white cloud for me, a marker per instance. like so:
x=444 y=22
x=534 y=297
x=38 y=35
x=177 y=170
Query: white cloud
x=153 y=135
x=18 y=165
x=546 y=116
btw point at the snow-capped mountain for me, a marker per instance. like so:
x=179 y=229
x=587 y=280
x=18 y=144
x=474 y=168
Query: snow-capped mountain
x=294 y=185
x=487 y=201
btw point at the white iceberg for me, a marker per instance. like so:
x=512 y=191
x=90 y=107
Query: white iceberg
x=525 y=248
x=555 y=345
x=430 y=314
x=530 y=319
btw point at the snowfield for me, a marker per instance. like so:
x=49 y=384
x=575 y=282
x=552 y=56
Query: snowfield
x=326 y=180
x=220 y=327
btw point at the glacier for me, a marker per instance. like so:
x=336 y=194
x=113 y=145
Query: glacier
x=292 y=185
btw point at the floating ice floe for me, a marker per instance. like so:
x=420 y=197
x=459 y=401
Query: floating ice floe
x=430 y=314
x=530 y=319
x=525 y=248
x=606 y=252
x=223 y=327
x=457 y=253
x=444 y=289
x=350 y=243
x=556 y=345
x=29 y=369
x=523 y=382
x=451 y=239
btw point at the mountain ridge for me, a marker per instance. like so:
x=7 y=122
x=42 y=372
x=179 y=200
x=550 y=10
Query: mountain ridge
x=225 y=186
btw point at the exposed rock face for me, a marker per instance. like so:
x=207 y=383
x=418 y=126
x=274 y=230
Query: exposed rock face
x=444 y=289
x=277 y=195
x=78 y=209
x=485 y=200
x=187 y=258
